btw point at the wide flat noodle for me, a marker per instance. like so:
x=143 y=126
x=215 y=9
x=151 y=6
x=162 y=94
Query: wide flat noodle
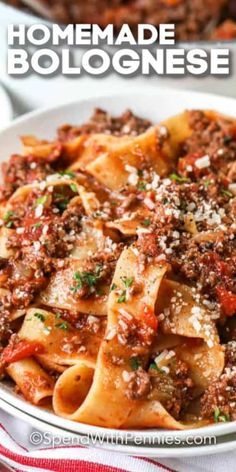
x=183 y=314
x=35 y=384
x=5 y=252
x=186 y=317
x=129 y=225
x=107 y=403
x=206 y=365
x=62 y=344
x=93 y=147
x=59 y=292
x=178 y=131
x=109 y=166
x=151 y=414
x=90 y=240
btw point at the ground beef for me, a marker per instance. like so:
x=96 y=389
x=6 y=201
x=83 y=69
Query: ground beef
x=21 y=170
x=194 y=19
x=5 y=329
x=103 y=122
x=208 y=137
x=174 y=389
x=139 y=385
x=219 y=400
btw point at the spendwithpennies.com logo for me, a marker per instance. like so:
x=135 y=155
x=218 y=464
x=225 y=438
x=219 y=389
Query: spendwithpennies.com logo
x=45 y=439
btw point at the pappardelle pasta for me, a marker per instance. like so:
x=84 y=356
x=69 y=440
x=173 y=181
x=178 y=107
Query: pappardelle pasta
x=117 y=271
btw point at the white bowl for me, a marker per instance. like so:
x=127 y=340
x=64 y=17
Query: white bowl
x=156 y=106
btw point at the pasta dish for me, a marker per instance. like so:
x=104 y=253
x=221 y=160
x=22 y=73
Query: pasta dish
x=193 y=19
x=117 y=271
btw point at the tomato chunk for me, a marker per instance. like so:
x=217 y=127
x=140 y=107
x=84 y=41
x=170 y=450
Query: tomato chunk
x=22 y=349
x=150 y=318
x=227 y=300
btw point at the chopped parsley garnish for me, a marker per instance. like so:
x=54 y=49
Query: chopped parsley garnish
x=219 y=417
x=57 y=316
x=66 y=172
x=113 y=287
x=227 y=139
x=87 y=278
x=64 y=325
x=134 y=363
x=142 y=185
x=127 y=281
x=61 y=201
x=165 y=200
x=178 y=178
x=8 y=215
x=74 y=188
x=226 y=192
x=122 y=297
x=7 y=218
x=62 y=205
x=207 y=182
x=155 y=367
x=146 y=222
x=41 y=200
x=40 y=316
x=37 y=225
x=9 y=224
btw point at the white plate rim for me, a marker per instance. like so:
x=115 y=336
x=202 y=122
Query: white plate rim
x=139 y=451
x=136 y=92
x=217 y=430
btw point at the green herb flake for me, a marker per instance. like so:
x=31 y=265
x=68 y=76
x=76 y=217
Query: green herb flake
x=9 y=214
x=87 y=278
x=226 y=193
x=142 y=186
x=61 y=201
x=178 y=178
x=41 y=200
x=113 y=287
x=206 y=183
x=122 y=297
x=134 y=363
x=7 y=218
x=146 y=222
x=64 y=325
x=37 y=225
x=67 y=172
x=74 y=188
x=9 y=224
x=127 y=281
x=227 y=139
x=155 y=367
x=219 y=417
x=40 y=316
x=165 y=200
